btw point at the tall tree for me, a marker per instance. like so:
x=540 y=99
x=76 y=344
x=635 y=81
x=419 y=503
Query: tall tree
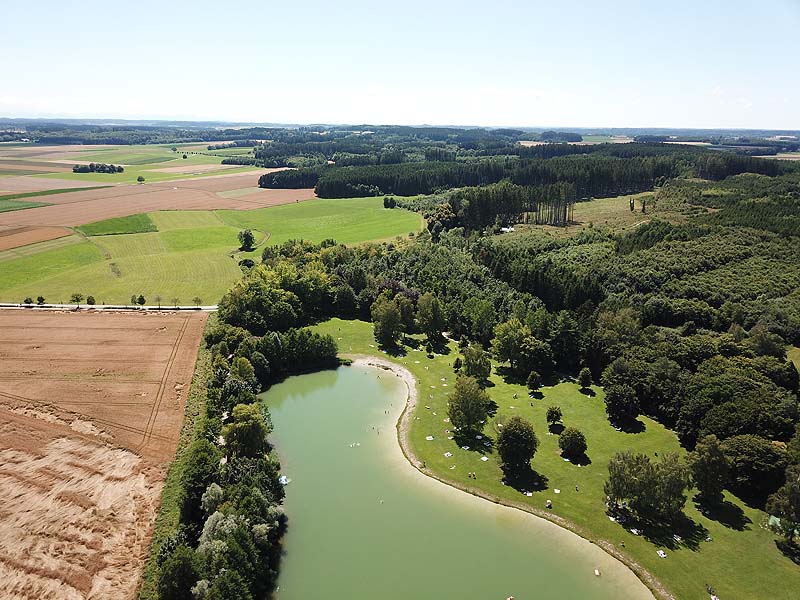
x=430 y=317
x=710 y=469
x=388 y=321
x=468 y=404
x=476 y=363
x=517 y=443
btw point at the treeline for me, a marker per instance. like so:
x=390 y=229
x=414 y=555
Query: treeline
x=595 y=174
x=231 y=517
x=97 y=168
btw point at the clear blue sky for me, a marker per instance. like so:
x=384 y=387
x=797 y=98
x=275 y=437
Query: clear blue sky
x=681 y=63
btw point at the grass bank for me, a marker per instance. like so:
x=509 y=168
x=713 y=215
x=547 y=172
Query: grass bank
x=731 y=551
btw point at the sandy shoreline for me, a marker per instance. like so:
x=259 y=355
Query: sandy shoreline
x=403 y=428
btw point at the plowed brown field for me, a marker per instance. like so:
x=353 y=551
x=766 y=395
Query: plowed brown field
x=91 y=406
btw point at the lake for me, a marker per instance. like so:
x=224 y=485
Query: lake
x=364 y=523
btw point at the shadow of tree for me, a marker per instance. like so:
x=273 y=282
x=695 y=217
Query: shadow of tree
x=491 y=408
x=588 y=392
x=582 y=460
x=680 y=532
x=556 y=428
x=509 y=376
x=537 y=394
x=790 y=550
x=632 y=426
x=469 y=440
x=725 y=513
x=525 y=480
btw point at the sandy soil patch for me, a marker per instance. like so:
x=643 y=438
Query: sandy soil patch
x=36 y=165
x=91 y=406
x=192 y=169
x=14 y=237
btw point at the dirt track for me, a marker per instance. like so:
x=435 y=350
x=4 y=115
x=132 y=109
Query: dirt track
x=91 y=406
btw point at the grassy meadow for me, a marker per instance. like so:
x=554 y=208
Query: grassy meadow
x=183 y=254
x=733 y=552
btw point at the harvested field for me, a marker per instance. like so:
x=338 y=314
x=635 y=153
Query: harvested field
x=192 y=169
x=80 y=208
x=14 y=237
x=19 y=184
x=91 y=405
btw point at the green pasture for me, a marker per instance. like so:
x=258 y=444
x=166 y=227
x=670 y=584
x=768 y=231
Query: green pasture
x=348 y=221
x=739 y=561
x=183 y=254
x=9 y=205
x=131 y=224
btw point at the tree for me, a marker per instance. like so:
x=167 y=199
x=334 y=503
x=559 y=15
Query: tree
x=468 y=404
x=572 y=442
x=140 y=300
x=622 y=405
x=651 y=490
x=756 y=463
x=507 y=342
x=178 y=574
x=517 y=443
x=76 y=299
x=388 y=321
x=785 y=503
x=133 y=299
x=90 y=300
x=553 y=415
x=28 y=300
x=140 y=179
x=457 y=364
x=246 y=240
x=229 y=585
x=585 y=378
x=710 y=469
x=158 y=301
x=247 y=434
x=430 y=317
x=175 y=302
x=534 y=381
x=197 y=300
x=476 y=364
x=39 y=300
x=185 y=156
x=201 y=468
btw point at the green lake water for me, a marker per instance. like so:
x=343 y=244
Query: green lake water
x=363 y=523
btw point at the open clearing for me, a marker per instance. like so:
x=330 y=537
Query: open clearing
x=91 y=405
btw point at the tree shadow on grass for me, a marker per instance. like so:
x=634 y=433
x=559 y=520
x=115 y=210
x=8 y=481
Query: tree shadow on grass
x=790 y=550
x=582 y=460
x=680 y=532
x=632 y=426
x=537 y=395
x=468 y=440
x=556 y=428
x=525 y=480
x=588 y=392
x=509 y=376
x=491 y=408
x=725 y=513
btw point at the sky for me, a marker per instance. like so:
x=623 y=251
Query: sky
x=682 y=63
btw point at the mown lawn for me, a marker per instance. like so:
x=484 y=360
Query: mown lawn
x=739 y=561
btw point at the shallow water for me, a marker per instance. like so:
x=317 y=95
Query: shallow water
x=363 y=523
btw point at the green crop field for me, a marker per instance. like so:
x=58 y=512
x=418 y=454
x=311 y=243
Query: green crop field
x=710 y=551
x=9 y=205
x=348 y=221
x=121 y=225
x=185 y=253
